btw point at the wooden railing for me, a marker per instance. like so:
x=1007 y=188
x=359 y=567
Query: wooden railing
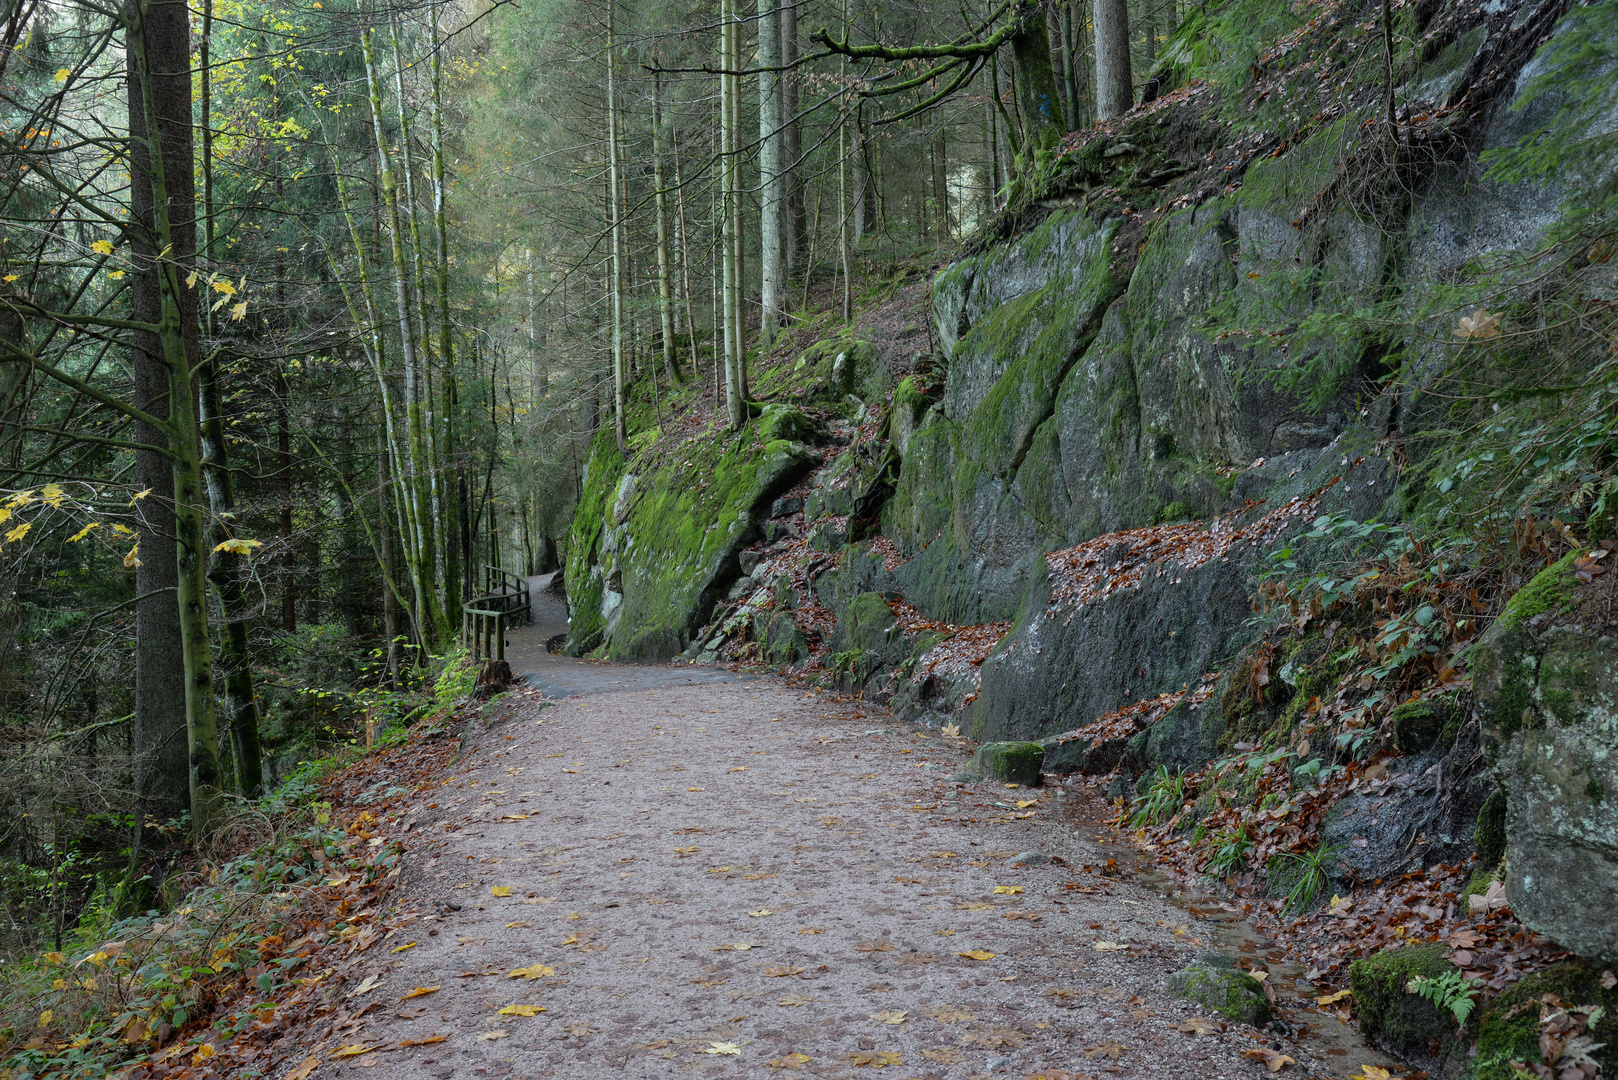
x=484 y=618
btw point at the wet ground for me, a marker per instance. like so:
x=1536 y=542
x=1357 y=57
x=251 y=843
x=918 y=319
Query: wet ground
x=667 y=871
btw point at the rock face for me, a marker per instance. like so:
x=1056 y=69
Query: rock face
x=1547 y=690
x=1013 y=763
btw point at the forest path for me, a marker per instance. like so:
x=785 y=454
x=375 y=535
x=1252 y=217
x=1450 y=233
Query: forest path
x=707 y=878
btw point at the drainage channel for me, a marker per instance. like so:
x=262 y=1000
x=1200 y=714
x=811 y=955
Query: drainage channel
x=1224 y=929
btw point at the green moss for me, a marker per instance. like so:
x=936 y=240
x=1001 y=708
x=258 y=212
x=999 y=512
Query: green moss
x=1416 y=726
x=907 y=395
x=1216 y=984
x=1403 y=1022
x=1550 y=589
x=1490 y=835
x=1503 y=1038
x=1012 y=762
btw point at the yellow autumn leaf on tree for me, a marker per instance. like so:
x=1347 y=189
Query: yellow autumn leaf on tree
x=53 y=494
x=131 y=560
x=522 y=1010
x=19 y=532
x=82 y=533
x=138 y=496
x=9 y=278
x=500 y=890
x=238 y=311
x=46 y=1017
x=62 y=75
x=223 y=287
x=239 y=547
x=102 y=247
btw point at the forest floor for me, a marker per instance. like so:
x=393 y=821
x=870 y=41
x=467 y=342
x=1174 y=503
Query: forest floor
x=714 y=875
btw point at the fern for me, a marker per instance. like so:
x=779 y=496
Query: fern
x=1452 y=990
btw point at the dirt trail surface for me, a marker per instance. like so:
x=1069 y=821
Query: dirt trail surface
x=711 y=878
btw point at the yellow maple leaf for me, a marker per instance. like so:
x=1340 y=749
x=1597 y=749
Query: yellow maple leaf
x=500 y=890
x=522 y=1010
x=1331 y=999
x=302 y=1071
x=490 y=1036
x=62 y=75
x=223 y=287
x=102 y=247
x=239 y=546
x=352 y=1050
x=976 y=954
x=420 y=991
x=138 y=496
x=536 y=971
x=19 y=532
x=46 y=1017
x=238 y=311
x=722 y=1048
x=759 y=913
x=131 y=560
x=53 y=494
x=1007 y=890
x=9 y=278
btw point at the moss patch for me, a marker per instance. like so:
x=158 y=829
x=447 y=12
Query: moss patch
x=1404 y=1023
x=1504 y=1038
x=1551 y=589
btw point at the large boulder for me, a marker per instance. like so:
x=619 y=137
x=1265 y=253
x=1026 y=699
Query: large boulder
x=1547 y=691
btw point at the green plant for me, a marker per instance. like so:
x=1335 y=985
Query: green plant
x=1162 y=795
x=1452 y=990
x=1229 y=853
x=1313 y=870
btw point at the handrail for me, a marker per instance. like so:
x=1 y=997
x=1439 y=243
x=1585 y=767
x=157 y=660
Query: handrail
x=484 y=618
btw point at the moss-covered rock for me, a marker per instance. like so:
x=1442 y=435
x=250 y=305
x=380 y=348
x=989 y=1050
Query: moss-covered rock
x=1507 y=1026
x=1416 y=726
x=1401 y=1022
x=1217 y=984
x=1547 y=695
x=1490 y=834
x=783 y=422
x=1013 y=763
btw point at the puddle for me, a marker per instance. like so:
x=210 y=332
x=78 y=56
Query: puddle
x=1223 y=928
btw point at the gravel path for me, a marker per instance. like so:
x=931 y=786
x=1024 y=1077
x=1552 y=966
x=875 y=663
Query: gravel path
x=735 y=878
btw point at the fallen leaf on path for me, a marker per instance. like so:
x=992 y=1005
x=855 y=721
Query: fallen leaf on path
x=943 y=1055
x=949 y=1014
x=516 y=817
x=873 y=946
x=976 y=954
x=812 y=930
x=1023 y=804
x=1109 y=946
x=975 y=905
x=518 y=924
x=476 y=974
x=759 y=913
x=889 y=1016
x=352 y=1050
x=420 y=991
x=877 y=1059
x=302 y=1071
x=700 y=981
x=1371 y=1072
x=796 y=999
x=1007 y=890
x=490 y=1036
x=500 y=890
x=696 y=789
x=757 y=877
x=738 y=768
x=790 y=1061
x=406 y=945
x=782 y=972
x=540 y=900
x=722 y=1048
x=522 y=1010
x=332 y=884
x=739 y=946
x=1333 y=998
x=571 y=939
x=1273 y=1058
x=371 y=983
x=428 y=1040
x=692 y=850
x=1198 y=1026
x=717 y=870
x=1110 y=1048
x=533 y=971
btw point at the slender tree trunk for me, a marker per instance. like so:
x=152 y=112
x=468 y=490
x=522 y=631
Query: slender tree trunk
x=772 y=204
x=1038 y=98
x=163 y=211
x=731 y=213
x=940 y=155
x=620 y=376
x=1070 y=66
x=792 y=229
x=685 y=261
x=449 y=546
x=665 y=291
x=1115 y=84
x=842 y=185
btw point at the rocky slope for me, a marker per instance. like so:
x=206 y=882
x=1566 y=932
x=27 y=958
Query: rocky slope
x=1067 y=512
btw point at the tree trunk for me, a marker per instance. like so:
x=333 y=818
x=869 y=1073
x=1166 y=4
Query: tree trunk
x=620 y=374
x=772 y=253
x=1115 y=85
x=665 y=290
x=730 y=212
x=1037 y=95
x=164 y=240
x=794 y=237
